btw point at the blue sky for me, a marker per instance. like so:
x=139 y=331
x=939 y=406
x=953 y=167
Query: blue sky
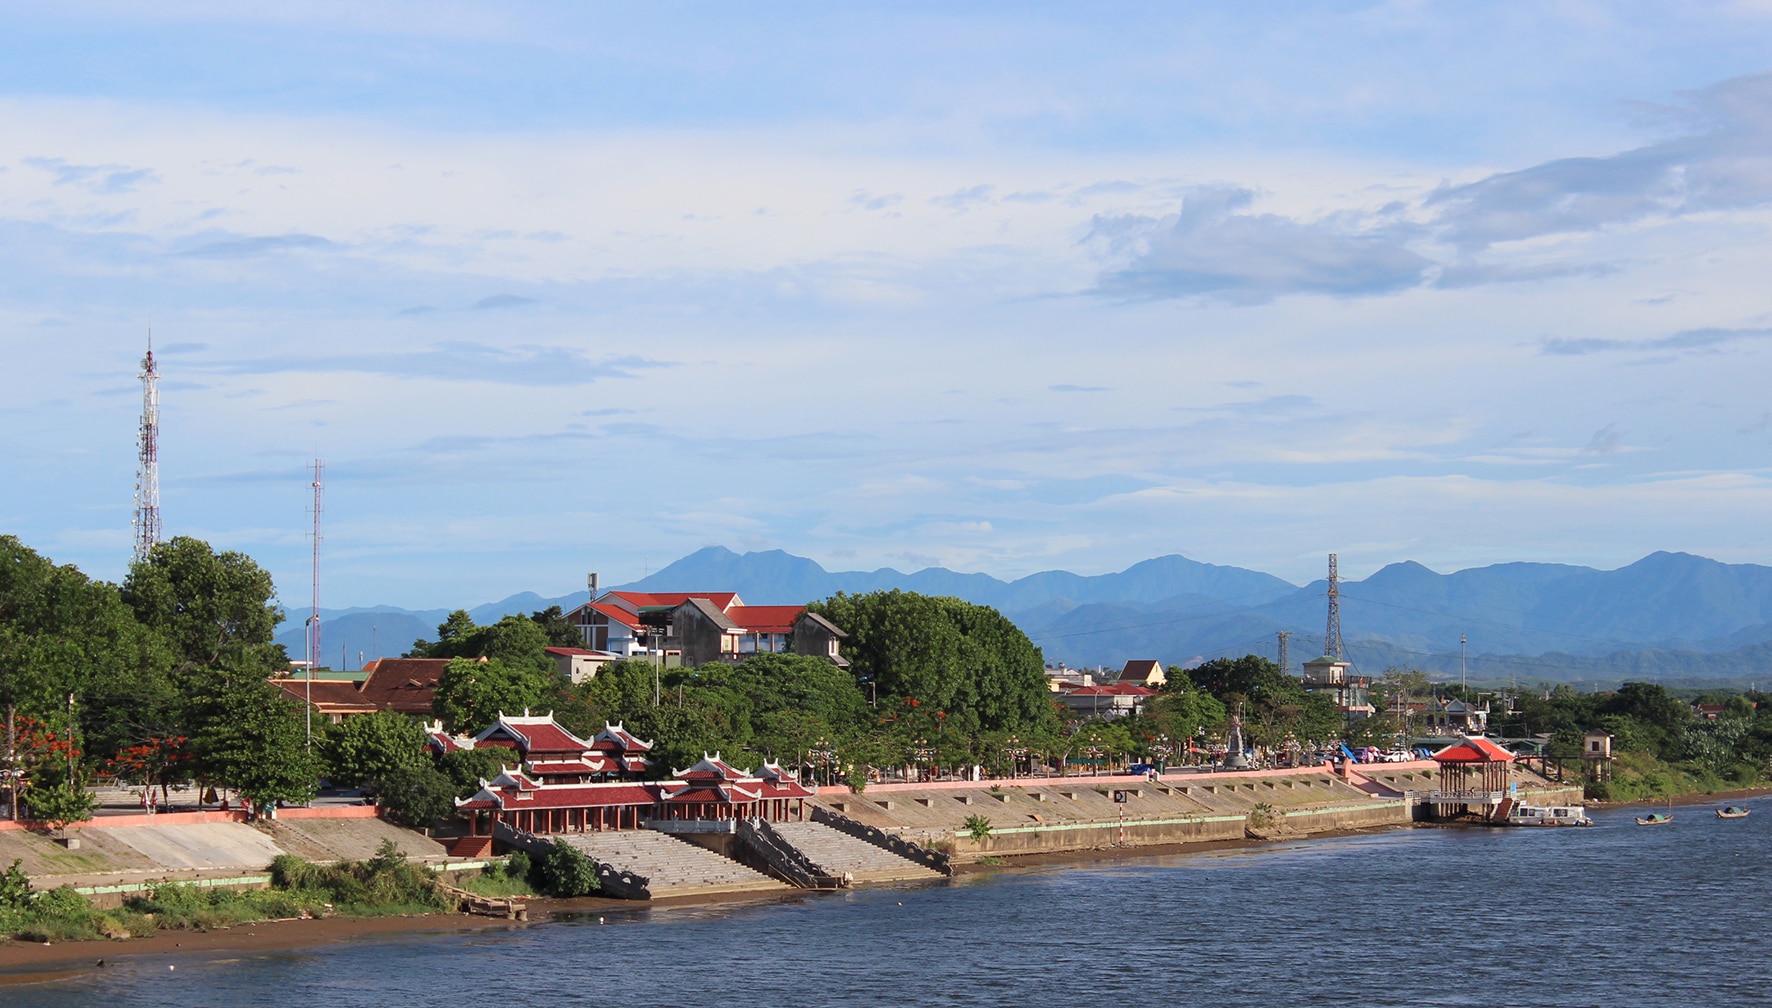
x=1003 y=287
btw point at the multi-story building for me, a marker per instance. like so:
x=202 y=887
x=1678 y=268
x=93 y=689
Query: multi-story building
x=696 y=628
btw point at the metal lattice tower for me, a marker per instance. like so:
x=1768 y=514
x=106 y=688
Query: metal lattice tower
x=1332 y=635
x=147 y=471
x=1285 y=658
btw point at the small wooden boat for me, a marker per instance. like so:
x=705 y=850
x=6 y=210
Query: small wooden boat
x=1655 y=819
x=1732 y=812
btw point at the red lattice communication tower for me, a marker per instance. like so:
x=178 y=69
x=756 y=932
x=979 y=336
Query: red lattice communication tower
x=147 y=472
x=1332 y=635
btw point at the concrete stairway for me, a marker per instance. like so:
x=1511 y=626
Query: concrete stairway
x=674 y=867
x=837 y=853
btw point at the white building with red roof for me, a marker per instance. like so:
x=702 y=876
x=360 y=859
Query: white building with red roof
x=697 y=628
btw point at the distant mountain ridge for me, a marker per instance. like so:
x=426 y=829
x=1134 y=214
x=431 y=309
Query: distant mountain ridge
x=1666 y=615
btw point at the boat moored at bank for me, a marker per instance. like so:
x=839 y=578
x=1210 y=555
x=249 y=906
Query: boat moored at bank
x=1548 y=815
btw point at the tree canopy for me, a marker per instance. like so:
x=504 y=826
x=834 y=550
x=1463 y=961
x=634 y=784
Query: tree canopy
x=966 y=661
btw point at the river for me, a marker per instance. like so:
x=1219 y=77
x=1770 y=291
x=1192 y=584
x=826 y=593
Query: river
x=1615 y=915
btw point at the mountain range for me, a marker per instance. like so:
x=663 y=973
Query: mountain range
x=1672 y=617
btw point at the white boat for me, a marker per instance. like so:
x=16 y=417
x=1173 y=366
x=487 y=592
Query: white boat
x=1548 y=815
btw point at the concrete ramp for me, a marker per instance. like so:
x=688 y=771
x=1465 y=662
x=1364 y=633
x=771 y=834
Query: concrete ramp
x=201 y=845
x=839 y=853
x=349 y=839
x=672 y=867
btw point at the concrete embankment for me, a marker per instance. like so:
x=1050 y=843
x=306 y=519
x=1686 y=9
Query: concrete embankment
x=1053 y=814
x=119 y=856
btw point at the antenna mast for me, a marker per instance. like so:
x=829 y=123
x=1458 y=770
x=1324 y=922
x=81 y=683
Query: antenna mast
x=1332 y=636
x=1285 y=659
x=314 y=614
x=147 y=470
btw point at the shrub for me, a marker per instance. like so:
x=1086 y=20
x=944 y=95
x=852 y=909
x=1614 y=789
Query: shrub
x=15 y=888
x=563 y=871
x=978 y=827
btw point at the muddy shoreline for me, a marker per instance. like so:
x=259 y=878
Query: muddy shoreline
x=1696 y=798
x=29 y=962
x=26 y=962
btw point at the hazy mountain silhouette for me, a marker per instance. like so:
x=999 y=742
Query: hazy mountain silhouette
x=1669 y=615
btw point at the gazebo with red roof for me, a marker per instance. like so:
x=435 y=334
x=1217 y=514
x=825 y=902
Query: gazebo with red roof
x=1473 y=776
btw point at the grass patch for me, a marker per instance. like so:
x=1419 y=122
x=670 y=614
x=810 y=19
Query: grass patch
x=385 y=885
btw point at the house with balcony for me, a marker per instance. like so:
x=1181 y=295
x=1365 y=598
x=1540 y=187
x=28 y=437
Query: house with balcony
x=697 y=628
x=1337 y=679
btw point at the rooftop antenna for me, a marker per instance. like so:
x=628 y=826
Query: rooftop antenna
x=314 y=613
x=1332 y=636
x=147 y=471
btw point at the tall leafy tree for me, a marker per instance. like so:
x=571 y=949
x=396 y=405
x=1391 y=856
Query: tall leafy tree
x=253 y=738
x=964 y=660
x=559 y=630
x=216 y=611
x=373 y=747
x=471 y=692
x=60 y=635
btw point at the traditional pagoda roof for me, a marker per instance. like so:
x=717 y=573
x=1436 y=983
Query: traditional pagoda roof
x=562 y=796
x=595 y=763
x=533 y=735
x=512 y=777
x=772 y=771
x=712 y=768
x=615 y=738
x=729 y=793
x=1473 y=749
x=444 y=742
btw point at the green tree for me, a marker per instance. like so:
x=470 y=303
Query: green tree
x=517 y=641
x=563 y=871
x=62 y=636
x=254 y=739
x=417 y=796
x=559 y=631
x=61 y=804
x=466 y=768
x=472 y=692
x=217 y=611
x=371 y=747
x=961 y=659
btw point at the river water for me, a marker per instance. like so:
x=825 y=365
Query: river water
x=1617 y=915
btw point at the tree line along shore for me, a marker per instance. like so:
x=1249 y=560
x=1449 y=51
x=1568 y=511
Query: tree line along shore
x=166 y=679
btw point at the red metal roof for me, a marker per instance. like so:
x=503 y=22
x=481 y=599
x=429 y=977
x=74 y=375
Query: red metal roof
x=1473 y=750
x=1113 y=689
x=765 y=618
x=640 y=600
x=581 y=796
x=576 y=652
x=617 y=613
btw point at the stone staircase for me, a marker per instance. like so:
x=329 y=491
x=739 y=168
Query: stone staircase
x=838 y=853
x=673 y=867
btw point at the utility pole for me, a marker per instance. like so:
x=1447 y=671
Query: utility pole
x=1461 y=686
x=147 y=472
x=1285 y=658
x=314 y=613
x=1332 y=635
